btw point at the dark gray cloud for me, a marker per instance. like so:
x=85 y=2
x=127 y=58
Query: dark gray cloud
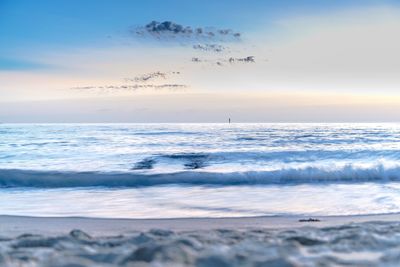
x=170 y=29
x=167 y=27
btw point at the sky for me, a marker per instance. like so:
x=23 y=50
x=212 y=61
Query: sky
x=199 y=61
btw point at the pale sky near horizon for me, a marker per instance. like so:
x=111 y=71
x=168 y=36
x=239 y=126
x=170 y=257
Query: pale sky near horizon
x=253 y=61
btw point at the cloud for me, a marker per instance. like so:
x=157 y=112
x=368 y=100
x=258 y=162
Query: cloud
x=196 y=59
x=167 y=27
x=131 y=87
x=220 y=62
x=171 y=30
x=209 y=47
x=151 y=76
x=140 y=82
x=248 y=59
x=207 y=39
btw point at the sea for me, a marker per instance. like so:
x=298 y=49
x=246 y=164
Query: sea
x=199 y=170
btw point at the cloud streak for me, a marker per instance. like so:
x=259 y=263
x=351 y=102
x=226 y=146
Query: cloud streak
x=221 y=62
x=209 y=47
x=140 y=82
x=151 y=76
x=248 y=59
x=131 y=87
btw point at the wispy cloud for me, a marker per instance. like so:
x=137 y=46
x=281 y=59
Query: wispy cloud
x=222 y=61
x=132 y=87
x=151 y=76
x=248 y=59
x=209 y=47
x=140 y=82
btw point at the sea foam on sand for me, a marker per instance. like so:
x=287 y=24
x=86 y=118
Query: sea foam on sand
x=355 y=244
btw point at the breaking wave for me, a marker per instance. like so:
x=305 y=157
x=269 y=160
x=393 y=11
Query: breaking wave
x=310 y=175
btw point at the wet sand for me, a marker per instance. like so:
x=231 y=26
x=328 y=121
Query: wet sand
x=16 y=225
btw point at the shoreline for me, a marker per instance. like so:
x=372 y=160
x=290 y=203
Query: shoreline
x=11 y=225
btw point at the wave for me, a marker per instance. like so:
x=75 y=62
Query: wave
x=311 y=158
x=296 y=155
x=54 y=179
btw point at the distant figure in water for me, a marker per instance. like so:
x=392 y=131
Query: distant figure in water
x=229 y=120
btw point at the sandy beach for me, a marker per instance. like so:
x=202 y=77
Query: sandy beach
x=371 y=240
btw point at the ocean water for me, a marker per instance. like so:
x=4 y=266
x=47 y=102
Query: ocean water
x=199 y=170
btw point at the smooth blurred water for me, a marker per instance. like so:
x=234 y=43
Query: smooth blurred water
x=221 y=147
x=181 y=170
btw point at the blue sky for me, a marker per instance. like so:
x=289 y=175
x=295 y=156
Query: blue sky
x=344 y=48
x=26 y=24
